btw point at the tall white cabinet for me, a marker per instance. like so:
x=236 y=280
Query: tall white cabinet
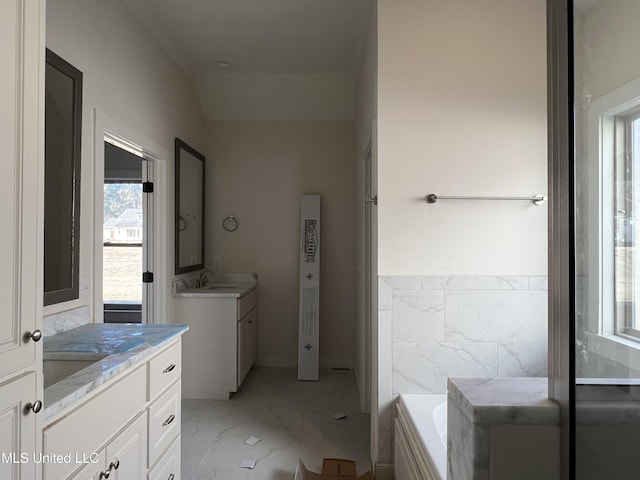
x=21 y=192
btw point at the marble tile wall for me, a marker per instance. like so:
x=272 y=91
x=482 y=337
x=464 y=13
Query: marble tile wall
x=63 y=321
x=465 y=326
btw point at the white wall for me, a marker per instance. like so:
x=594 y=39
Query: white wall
x=462 y=111
x=257 y=171
x=129 y=79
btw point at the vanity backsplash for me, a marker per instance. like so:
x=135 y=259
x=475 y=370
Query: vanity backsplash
x=63 y=321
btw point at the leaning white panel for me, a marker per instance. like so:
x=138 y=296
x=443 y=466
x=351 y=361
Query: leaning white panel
x=309 y=313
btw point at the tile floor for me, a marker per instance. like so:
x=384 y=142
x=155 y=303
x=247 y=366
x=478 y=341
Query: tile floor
x=293 y=419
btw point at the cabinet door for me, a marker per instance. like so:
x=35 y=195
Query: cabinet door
x=21 y=173
x=252 y=342
x=246 y=344
x=168 y=467
x=241 y=339
x=18 y=429
x=92 y=471
x=127 y=453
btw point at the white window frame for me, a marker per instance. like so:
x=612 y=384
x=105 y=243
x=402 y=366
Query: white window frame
x=601 y=326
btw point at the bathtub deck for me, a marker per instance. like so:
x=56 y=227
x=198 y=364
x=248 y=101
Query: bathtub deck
x=426 y=440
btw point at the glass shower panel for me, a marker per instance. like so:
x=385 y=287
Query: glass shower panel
x=606 y=34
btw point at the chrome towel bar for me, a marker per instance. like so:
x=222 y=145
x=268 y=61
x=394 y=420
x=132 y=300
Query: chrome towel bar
x=535 y=199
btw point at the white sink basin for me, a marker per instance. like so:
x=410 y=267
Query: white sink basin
x=56 y=369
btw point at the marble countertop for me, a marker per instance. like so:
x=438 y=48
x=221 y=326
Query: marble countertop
x=224 y=285
x=504 y=400
x=115 y=347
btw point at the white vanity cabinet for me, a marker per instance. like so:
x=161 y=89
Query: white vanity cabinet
x=127 y=428
x=21 y=179
x=220 y=346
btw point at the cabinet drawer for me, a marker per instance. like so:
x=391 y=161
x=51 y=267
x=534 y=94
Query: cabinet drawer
x=168 y=467
x=164 y=421
x=164 y=369
x=104 y=414
x=246 y=303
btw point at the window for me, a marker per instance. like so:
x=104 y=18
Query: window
x=126 y=252
x=612 y=218
x=122 y=253
x=626 y=264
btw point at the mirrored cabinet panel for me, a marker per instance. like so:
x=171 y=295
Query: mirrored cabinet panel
x=63 y=123
x=189 y=216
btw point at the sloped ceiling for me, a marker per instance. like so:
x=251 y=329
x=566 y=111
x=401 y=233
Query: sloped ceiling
x=258 y=36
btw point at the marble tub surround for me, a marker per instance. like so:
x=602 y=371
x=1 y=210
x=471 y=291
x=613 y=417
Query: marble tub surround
x=500 y=429
x=504 y=400
x=60 y=322
x=119 y=346
x=227 y=285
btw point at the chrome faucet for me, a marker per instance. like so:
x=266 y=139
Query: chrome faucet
x=206 y=274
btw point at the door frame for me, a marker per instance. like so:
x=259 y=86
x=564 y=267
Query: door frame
x=107 y=127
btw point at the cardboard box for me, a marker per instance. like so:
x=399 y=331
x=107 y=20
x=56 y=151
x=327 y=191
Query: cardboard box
x=332 y=469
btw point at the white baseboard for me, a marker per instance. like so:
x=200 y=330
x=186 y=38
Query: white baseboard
x=276 y=361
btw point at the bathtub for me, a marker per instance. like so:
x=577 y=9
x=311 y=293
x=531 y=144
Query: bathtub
x=420 y=441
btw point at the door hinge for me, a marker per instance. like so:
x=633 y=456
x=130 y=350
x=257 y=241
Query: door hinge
x=147 y=187
x=147 y=277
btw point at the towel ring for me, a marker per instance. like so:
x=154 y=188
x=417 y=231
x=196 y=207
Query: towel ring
x=230 y=224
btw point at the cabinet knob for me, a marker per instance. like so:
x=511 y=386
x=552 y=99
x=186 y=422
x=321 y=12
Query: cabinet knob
x=35 y=407
x=172 y=476
x=114 y=465
x=105 y=474
x=36 y=335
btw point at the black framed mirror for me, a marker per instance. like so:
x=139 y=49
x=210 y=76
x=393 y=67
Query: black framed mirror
x=63 y=134
x=189 y=212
